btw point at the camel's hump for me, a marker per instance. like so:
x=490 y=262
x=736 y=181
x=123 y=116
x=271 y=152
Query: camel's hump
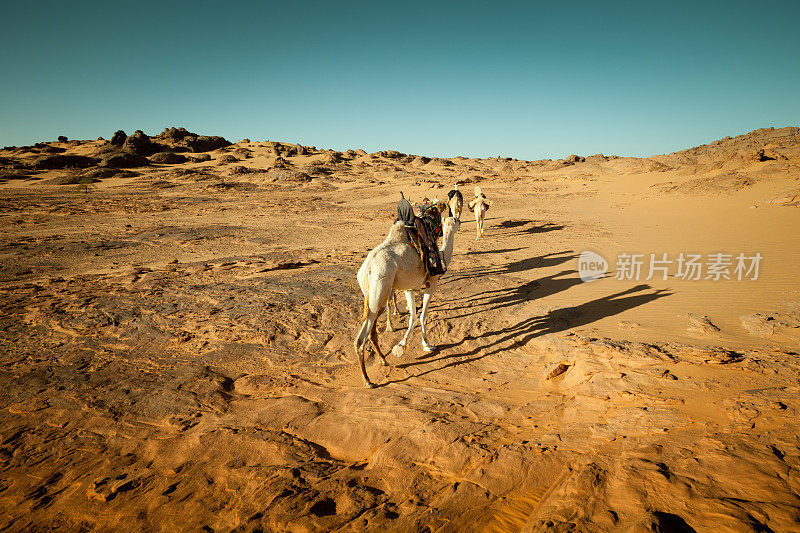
x=397 y=234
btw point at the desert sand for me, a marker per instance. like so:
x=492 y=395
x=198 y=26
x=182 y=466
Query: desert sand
x=177 y=332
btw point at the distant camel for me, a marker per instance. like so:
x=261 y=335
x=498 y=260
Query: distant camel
x=395 y=264
x=455 y=202
x=480 y=204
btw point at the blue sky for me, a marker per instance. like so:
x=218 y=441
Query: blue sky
x=518 y=79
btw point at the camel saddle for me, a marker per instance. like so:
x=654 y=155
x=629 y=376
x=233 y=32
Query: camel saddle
x=422 y=232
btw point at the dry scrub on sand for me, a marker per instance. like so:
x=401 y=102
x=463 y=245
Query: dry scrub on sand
x=176 y=343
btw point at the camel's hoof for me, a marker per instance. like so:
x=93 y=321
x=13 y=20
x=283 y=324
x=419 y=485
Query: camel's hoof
x=429 y=348
x=369 y=385
x=398 y=350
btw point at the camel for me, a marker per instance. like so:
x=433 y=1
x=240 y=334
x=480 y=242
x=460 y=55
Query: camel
x=456 y=202
x=395 y=264
x=442 y=207
x=480 y=204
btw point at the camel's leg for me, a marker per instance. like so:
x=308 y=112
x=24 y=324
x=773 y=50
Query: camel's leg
x=388 y=314
x=366 y=327
x=392 y=303
x=423 y=316
x=373 y=335
x=375 y=298
x=400 y=347
x=477 y=223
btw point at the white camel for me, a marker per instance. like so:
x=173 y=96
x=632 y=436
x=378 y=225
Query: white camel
x=395 y=264
x=480 y=204
x=456 y=202
x=454 y=205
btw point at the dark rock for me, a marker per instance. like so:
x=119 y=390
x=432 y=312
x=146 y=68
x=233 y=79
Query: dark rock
x=175 y=135
x=119 y=138
x=140 y=144
x=241 y=169
x=204 y=143
x=53 y=150
x=168 y=158
x=62 y=138
x=575 y=159
x=392 y=154
x=114 y=158
x=103 y=173
x=768 y=155
x=200 y=158
x=58 y=161
x=245 y=140
x=227 y=159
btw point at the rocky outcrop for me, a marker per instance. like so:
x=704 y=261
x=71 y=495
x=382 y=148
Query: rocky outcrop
x=140 y=144
x=118 y=138
x=113 y=157
x=60 y=161
x=168 y=158
x=180 y=137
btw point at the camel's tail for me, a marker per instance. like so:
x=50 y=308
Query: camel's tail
x=364 y=331
x=365 y=314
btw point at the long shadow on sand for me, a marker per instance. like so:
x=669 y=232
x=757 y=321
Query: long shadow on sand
x=516 y=227
x=500 y=298
x=538 y=261
x=536 y=326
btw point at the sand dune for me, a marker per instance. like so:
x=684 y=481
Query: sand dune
x=178 y=312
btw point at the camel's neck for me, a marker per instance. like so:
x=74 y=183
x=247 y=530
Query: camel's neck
x=448 y=241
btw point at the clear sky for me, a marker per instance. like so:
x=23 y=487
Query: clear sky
x=518 y=79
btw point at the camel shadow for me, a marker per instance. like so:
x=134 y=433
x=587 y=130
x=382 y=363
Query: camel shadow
x=495 y=299
x=501 y=251
x=513 y=223
x=544 y=228
x=517 y=226
x=538 y=261
x=526 y=330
